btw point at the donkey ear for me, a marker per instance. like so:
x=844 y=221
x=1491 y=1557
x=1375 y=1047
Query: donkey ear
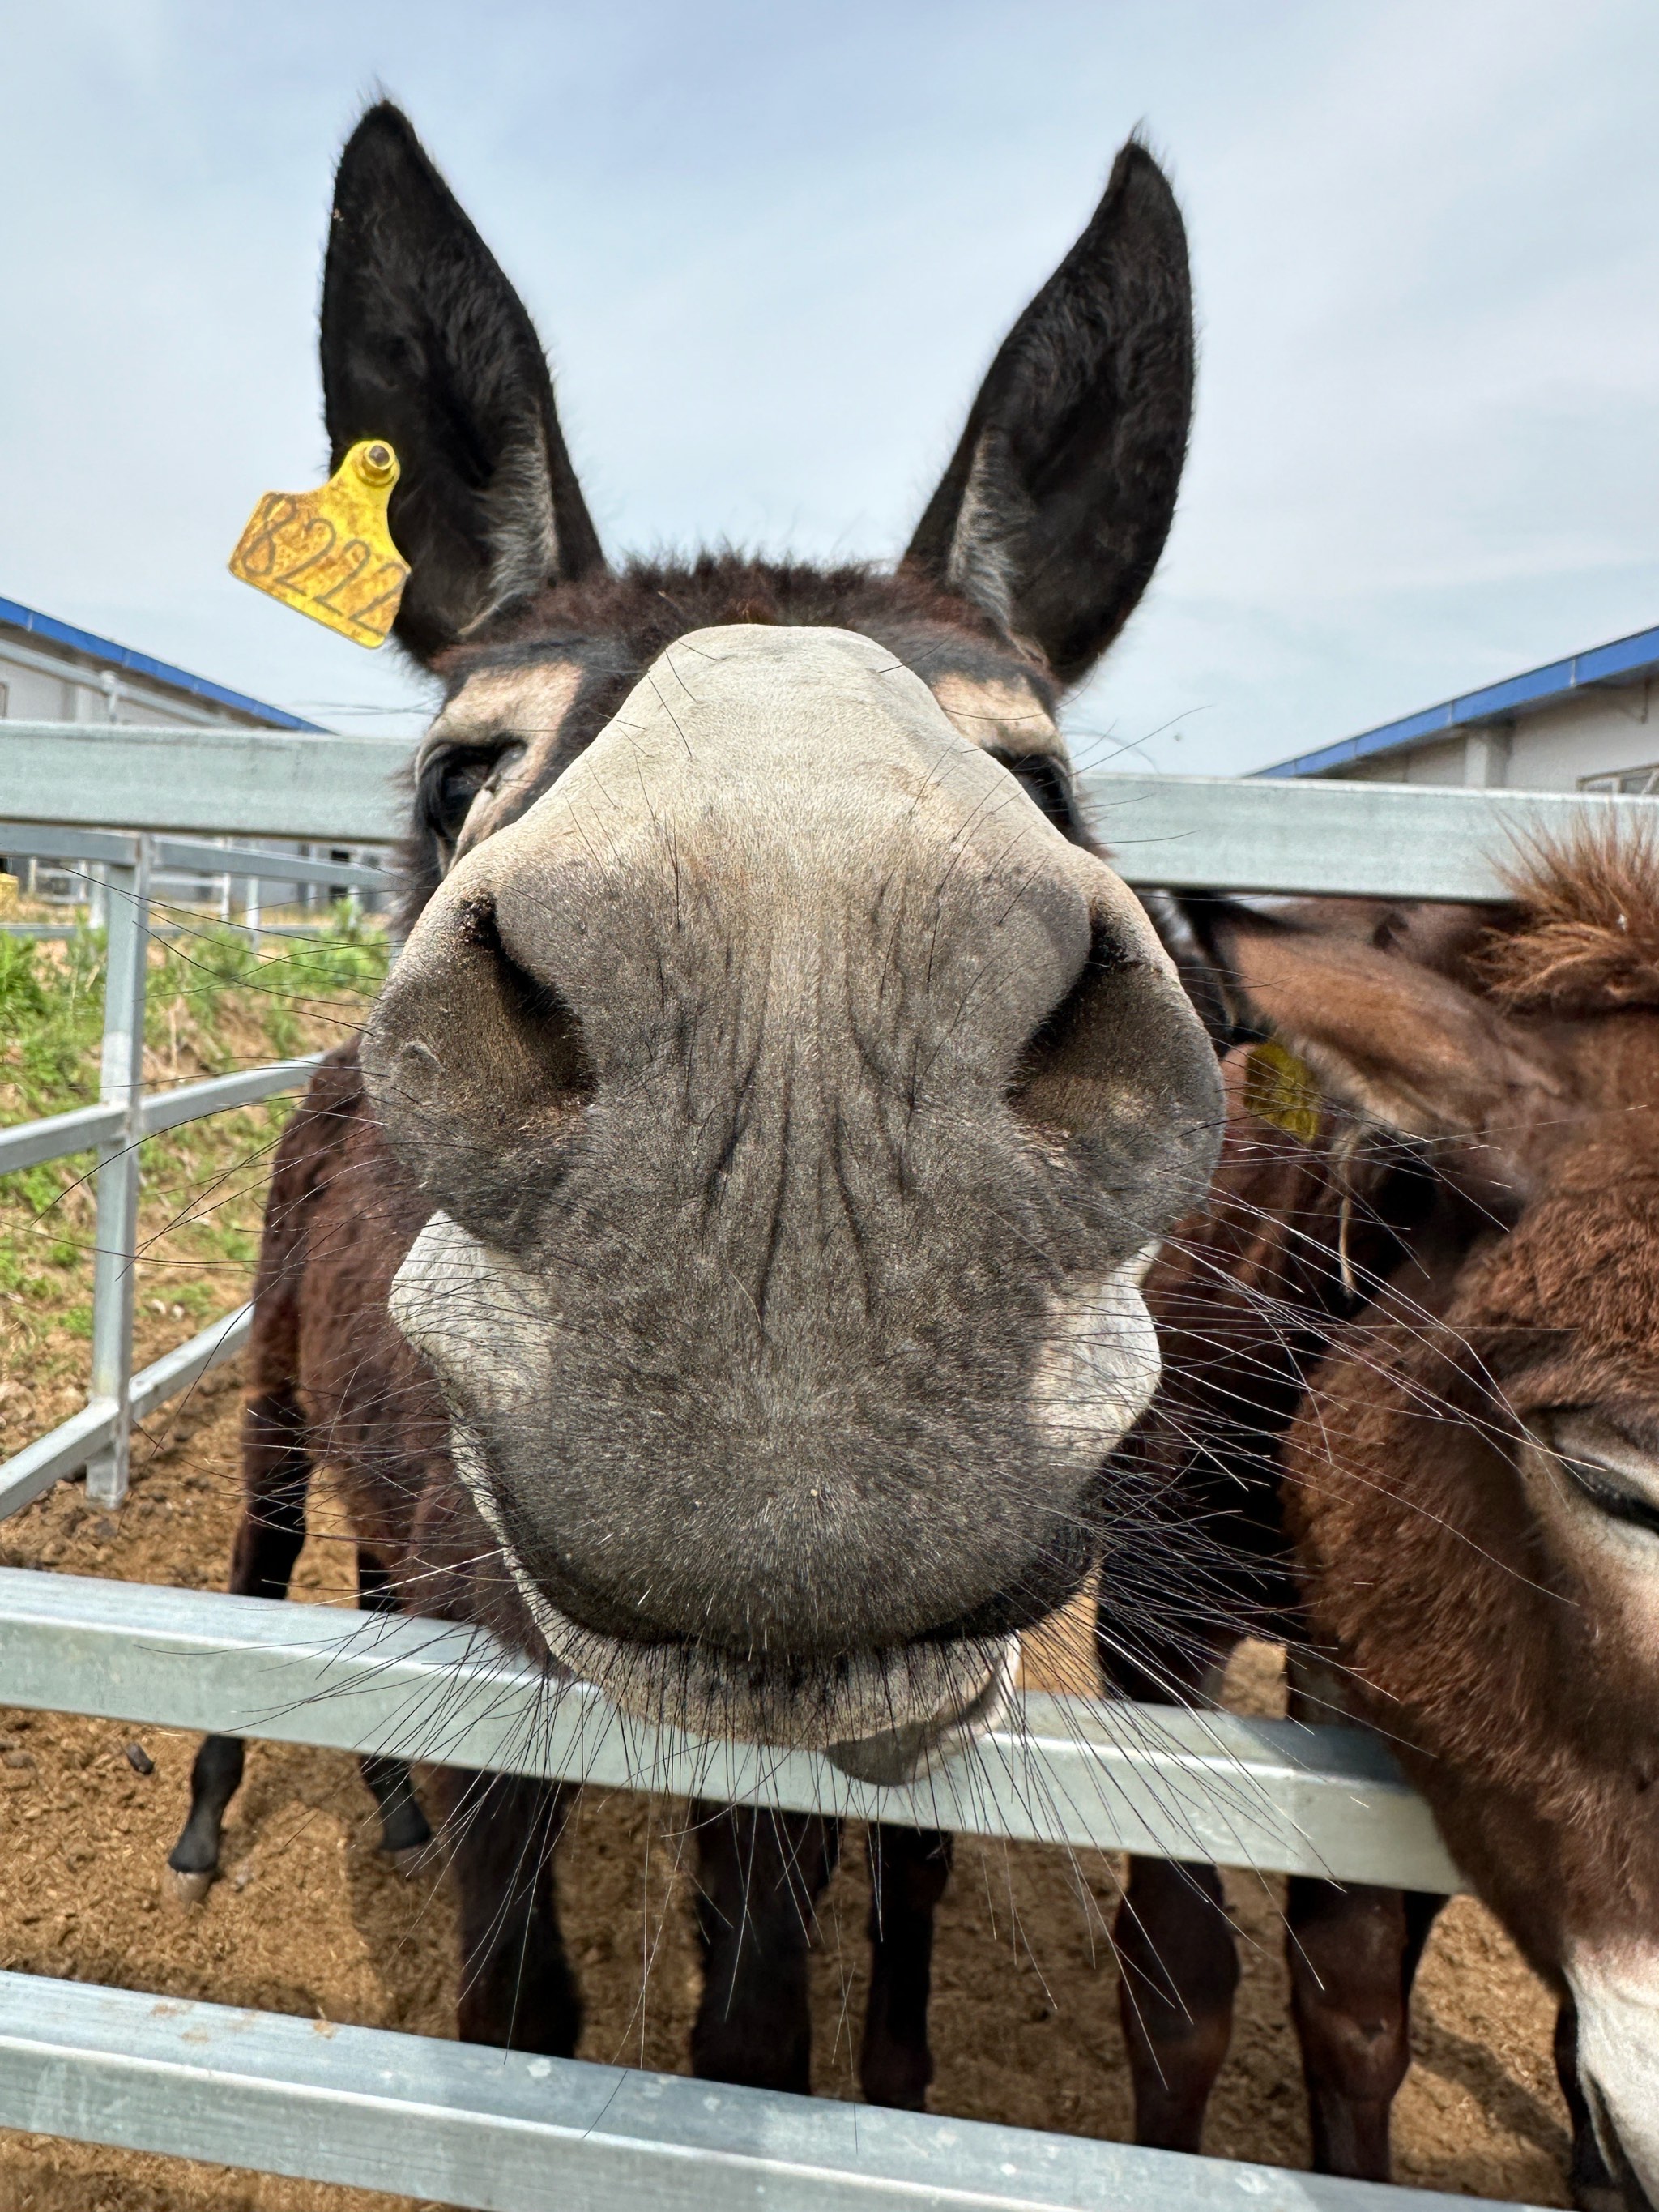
x=1057 y=502
x=1409 y=1048
x=426 y=344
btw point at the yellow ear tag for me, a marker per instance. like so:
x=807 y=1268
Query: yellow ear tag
x=329 y=553
x=1279 y=1088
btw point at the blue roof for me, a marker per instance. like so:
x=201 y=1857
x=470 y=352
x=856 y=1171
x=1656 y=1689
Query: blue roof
x=123 y=656
x=1623 y=661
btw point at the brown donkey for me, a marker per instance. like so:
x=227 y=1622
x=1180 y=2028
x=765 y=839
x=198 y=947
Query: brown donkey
x=1436 y=1315
x=718 y=1273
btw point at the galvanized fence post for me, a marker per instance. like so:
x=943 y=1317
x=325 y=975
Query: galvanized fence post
x=116 y=1235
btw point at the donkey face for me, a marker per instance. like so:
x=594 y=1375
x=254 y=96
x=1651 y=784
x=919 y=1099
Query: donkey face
x=1478 y=1487
x=797 y=1091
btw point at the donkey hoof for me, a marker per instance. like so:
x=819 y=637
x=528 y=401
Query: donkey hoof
x=413 y=1859
x=185 y=1890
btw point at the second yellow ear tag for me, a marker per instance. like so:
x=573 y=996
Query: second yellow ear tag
x=329 y=553
x=1279 y=1088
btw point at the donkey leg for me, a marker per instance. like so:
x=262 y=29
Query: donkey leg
x=1177 y=1973
x=405 y=1836
x=908 y=1869
x=276 y=1477
x=1353 y=1954
x=517 y=1991
x=1177 y=1955
x=760 y=1875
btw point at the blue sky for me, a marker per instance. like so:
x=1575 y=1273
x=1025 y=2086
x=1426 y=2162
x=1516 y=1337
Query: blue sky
x=771 y=250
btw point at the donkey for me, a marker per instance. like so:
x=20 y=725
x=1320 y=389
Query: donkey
x=1410 y=1350
x=717 y=1272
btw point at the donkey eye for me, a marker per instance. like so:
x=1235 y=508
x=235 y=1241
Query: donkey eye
x=1043 y=779
x=451 y=780
x=1603 y=1486
x=1605 y=1467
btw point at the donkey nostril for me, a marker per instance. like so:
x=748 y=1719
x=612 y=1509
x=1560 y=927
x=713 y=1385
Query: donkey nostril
x=547 y=1029
x=1117 y=1072
x=1063 y=1037
x=486 y=1119
x=419 y=1069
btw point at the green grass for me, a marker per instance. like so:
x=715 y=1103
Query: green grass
x=210 y=984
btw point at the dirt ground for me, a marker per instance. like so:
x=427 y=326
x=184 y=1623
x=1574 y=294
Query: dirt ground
x=308 y=1919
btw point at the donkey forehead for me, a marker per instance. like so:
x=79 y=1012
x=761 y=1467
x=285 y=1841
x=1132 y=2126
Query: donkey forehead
x=789 y=735
x=751 y=700
x=528 y=695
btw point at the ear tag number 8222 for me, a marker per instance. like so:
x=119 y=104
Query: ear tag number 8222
x=329 y=553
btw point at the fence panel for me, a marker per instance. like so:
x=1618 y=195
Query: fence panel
x=1364 y=840
x=99 y=1436
x=1215 y=833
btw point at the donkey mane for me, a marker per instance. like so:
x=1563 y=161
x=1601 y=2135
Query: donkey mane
x=1589 y=936
x=650 y=602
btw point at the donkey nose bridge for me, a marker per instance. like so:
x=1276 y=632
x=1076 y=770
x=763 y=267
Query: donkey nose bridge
x=730 y=862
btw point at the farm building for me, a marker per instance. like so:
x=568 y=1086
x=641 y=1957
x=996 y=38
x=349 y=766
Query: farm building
x=1581 y=724
x=53 y=671
x=50 y=672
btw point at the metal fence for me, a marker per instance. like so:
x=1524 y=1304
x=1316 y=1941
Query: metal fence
x=503 y=2133
x=99 y=1436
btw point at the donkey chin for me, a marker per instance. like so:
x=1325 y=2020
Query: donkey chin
x=883 y=1714
x=1615 y=1987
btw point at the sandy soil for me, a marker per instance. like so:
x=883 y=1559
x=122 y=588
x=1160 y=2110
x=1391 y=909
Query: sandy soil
x=309 y=1920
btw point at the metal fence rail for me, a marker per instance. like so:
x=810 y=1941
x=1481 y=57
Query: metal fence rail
x=1392 y=840
x=1272 y=1794
x=487 y=2130
x=503 y=2132
x=28 y=1144
x=76 y=1441
x=246 y=783
x=1216 y=833
x=65 y=840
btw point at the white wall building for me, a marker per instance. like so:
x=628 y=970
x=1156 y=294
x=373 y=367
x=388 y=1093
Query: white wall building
x=1590 y=723
x=51 y=671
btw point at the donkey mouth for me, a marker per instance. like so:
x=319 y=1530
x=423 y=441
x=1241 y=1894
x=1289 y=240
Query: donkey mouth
x=882 y=1716
x=897 y=1755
